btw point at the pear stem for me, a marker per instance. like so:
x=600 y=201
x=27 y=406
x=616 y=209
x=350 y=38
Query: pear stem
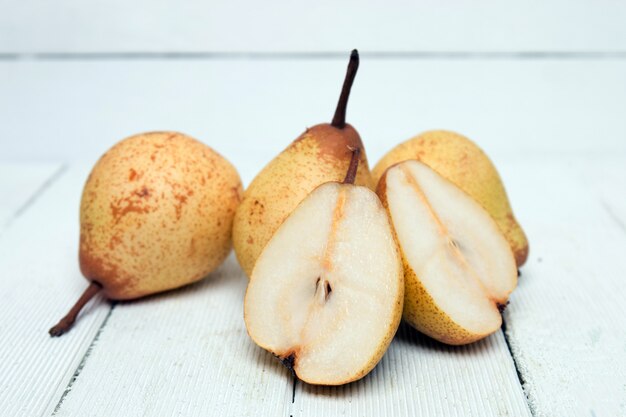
x=339 y=120
x=67 y=322
x=354 y=164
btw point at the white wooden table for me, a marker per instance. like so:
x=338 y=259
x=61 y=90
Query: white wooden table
x=541 y=87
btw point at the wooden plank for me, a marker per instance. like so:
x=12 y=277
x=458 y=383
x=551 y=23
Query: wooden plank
x=20 y=185
x=184 y=352
x=325 y=25
x=566 y=322
x=245 y=108
x=40 y=281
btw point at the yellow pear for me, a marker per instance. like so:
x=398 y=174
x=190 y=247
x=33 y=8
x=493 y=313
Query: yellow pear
x=156 y=214
x=462 y=162
x=459 y=269
x=321 y=154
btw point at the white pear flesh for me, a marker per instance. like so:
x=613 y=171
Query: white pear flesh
x=326 y=293
x=459 y=266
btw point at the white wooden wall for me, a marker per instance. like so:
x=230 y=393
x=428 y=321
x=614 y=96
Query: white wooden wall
x=541 y=86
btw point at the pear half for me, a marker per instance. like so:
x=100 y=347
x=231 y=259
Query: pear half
x=461 y=161
x=326 y=293
x=459 y=267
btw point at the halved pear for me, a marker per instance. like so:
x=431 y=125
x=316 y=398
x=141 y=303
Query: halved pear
x=326 y=293
x=459 y=267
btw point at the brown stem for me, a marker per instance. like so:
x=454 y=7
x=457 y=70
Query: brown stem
x=67 y=322
x=339 y=120
x=354 y=164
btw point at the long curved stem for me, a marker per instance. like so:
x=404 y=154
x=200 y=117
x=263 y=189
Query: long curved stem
x=67 y=322
x=339 y=120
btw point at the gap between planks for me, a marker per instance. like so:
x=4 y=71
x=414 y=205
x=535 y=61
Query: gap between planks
x=83 y=360
x=268 y=55
x=520 y=376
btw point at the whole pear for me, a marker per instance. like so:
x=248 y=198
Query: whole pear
x=462 y=162
x=321 y=154
x=156 y=214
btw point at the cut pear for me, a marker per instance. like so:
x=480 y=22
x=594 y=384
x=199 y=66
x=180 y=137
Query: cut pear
x=459 y=267
x=326 y=293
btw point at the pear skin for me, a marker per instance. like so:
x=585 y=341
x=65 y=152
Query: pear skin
x=321 y=154
x=156 y=214
x=462 y=162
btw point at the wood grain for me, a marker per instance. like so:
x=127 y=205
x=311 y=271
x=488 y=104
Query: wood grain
x=421 y=377
x=184 y=352
x=566 y=321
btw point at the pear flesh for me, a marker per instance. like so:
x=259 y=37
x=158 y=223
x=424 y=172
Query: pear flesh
x=326 y=292
x=459 y=267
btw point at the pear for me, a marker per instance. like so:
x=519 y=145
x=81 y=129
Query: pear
x=461 y=161
x=321 y=154
x=326 y=293
x=458 y=267
x=156 y=214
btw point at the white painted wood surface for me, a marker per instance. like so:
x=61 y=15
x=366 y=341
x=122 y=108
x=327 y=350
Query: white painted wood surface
x=561 y=335
x=567 y=320
x=257 y=107
x=40 y=281
x=187 y=351
x=286 y=26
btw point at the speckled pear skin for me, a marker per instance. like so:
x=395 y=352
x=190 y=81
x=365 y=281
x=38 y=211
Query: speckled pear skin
x=462 y=162
x=420 y=309
x=156 y=214
x=321 y=154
